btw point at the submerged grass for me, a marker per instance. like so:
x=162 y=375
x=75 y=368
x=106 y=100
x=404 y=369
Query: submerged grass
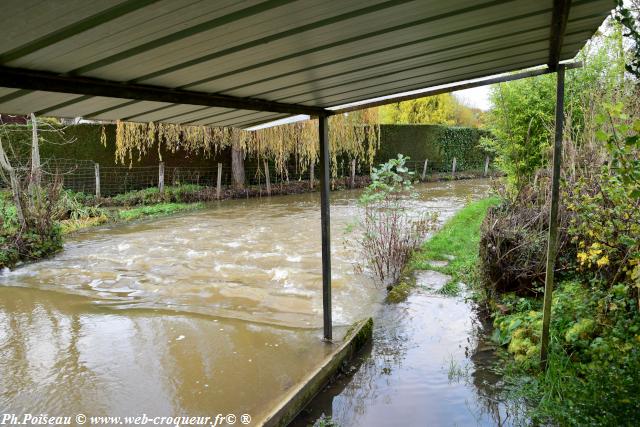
x=457 y=243
x=156 y=210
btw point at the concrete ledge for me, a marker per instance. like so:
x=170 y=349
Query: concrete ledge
x=299 y=397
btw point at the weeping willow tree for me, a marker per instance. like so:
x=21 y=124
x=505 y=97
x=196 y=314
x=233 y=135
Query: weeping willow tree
x=354 y=135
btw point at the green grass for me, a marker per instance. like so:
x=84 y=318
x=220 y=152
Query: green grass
x=148 y=196
x=451 y=289
x=156 y=210
x=458 y=238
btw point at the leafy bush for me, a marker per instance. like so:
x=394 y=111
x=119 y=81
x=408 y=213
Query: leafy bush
x=389 y=231
x=42 y=238
x=594 y=369
x=522 y=117
x=606 y=206
x=76 y=206
x=594 y=360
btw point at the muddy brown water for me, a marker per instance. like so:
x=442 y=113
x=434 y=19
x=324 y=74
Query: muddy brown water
x=430 y=364
x=214 y=311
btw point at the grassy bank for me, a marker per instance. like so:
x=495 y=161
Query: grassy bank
x=594 y=361
x=77 y=211
x=115 y=215
x=457 y=243
x=80 y=211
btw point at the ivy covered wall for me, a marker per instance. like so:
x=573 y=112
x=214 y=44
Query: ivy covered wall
x=439 y=144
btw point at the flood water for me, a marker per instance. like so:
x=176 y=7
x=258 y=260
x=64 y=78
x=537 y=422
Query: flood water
x=430 y=364
x=214 y=311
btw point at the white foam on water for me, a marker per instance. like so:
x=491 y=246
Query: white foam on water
x=123 y=247
x=96 y=283
x=196 y=254
x=279 y=274
x=295 y=292
x=220 y=267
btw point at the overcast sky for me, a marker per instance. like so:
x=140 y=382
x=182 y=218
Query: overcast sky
x=477 y=97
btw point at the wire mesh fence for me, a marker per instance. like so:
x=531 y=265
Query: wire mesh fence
x=88 y=177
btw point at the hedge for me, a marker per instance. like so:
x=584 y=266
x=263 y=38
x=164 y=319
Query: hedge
x=82 y=142
x=439 y=144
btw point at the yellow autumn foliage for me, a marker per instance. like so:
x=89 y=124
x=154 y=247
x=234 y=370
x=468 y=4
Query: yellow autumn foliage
x=355 y=135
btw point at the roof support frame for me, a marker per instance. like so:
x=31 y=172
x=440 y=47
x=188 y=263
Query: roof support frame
x=74 y=29
x=552 y=238
x=51 y=82
x=559 y=20
x=323 y=134
x=453 y=88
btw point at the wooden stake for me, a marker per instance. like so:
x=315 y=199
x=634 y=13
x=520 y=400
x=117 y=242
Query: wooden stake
x=353 y=173
x=453 y=167
x=161 y=177
x=267 y=179
x=486 y=166
x=424 y=169
x=36 y=173
x=97 y=169
x=219 y=182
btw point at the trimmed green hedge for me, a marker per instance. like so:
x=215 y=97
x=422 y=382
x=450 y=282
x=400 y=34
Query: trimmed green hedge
x=82 y=142
x=439 y=144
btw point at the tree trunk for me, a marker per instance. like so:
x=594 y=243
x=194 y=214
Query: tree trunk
x=15 y=185
x=35 y=154
x=237 y=161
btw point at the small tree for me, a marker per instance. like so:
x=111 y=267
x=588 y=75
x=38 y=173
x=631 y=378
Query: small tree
x=33 y=232
x=390 y=230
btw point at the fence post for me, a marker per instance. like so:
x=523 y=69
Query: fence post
x=312 y=173
x=486 y=166
x=353 y=173
x=161 y=177
x=453 y=168
x=219 y=181
x=266 y=173
x=424 y=169
x=97 y=168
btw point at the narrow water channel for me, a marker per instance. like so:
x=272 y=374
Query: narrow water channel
x=214 y=311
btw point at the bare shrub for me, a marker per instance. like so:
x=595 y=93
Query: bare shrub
x=390 y=230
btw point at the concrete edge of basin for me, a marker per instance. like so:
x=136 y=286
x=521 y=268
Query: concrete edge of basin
x=299 y=397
